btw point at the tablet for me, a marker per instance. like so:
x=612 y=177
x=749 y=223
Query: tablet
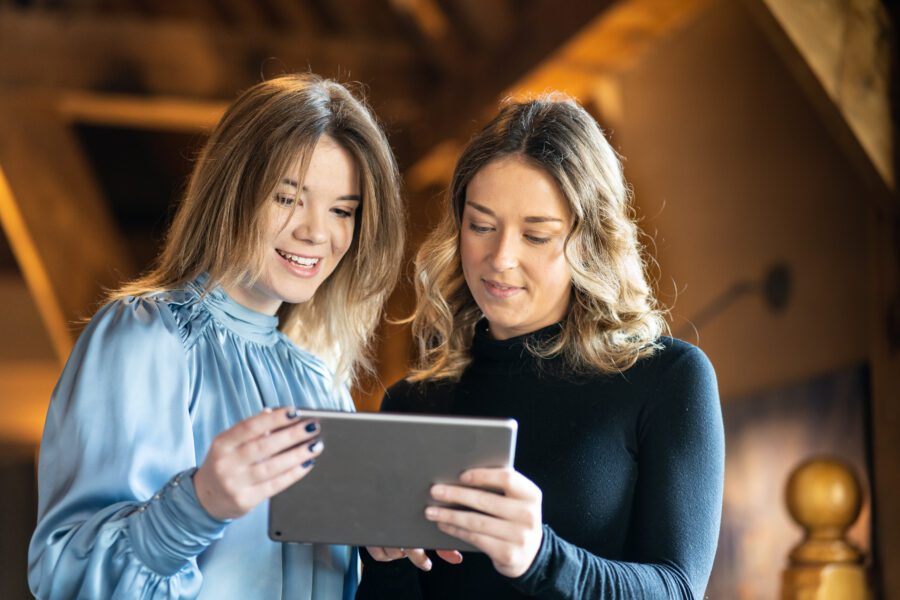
x=370 y=485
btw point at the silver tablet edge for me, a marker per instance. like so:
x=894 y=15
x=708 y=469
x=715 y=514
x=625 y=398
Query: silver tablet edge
x=511 y=424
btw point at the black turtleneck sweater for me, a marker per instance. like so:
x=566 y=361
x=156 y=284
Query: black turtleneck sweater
x=630 y=466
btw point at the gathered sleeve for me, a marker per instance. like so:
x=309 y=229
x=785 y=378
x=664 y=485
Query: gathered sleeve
x=677 y=505
x=117 y=514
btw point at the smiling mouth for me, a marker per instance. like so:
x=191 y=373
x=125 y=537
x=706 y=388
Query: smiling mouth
x=300 y=261
x=501 y=286
x=500 y=290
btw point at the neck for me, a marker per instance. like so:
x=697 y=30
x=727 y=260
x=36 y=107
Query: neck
x=253 y=299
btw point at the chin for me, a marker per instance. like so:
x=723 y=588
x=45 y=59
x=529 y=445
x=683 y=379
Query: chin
x=506 y=317
x=296 y=295
x=501 y=323
x=299 y=298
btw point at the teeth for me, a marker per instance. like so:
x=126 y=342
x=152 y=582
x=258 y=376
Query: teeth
x=299 y=260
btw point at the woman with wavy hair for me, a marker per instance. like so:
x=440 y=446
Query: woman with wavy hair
x=533 y=303
x=180 y=408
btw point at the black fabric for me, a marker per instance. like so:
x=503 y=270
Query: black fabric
x=630 y=465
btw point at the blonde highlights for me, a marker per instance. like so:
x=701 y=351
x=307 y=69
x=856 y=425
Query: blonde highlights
x=613 y=319
x=219 y=225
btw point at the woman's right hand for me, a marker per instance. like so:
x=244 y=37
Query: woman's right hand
x=416 y=556
x=254 y=460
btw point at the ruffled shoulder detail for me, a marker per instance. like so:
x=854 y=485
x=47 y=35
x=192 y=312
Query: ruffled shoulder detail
x=188 y=311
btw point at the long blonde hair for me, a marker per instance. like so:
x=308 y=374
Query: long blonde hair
x=218 y=227
x=613 y=319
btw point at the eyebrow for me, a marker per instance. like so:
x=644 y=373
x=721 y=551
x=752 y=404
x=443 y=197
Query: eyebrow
x=487 y=211
x=293 y=184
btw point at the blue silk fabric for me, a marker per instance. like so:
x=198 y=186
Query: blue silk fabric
x=149 y=384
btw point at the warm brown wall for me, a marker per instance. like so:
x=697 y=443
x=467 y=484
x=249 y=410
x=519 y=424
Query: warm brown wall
x=734 y=171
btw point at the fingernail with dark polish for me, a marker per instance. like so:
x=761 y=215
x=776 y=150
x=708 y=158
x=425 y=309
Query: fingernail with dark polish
x=310 y=427
x=308 y=463
x=315 y=446
x=292 y=414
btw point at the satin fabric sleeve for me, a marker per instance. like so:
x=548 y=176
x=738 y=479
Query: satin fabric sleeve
x=677 y=505
x=117 y=512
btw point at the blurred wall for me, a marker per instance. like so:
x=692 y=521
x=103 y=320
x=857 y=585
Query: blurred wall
x=733 y=171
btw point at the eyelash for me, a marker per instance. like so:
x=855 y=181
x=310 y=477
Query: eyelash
x=537 y=240
x=286 y=201
x=533 y=239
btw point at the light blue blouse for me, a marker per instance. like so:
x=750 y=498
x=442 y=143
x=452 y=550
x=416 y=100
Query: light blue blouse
x=149 y=384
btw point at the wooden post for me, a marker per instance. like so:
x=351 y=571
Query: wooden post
x=824 y=497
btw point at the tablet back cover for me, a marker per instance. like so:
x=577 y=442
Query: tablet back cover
x=370 y=486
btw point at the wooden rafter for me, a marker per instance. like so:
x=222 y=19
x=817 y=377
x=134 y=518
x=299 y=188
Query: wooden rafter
x=188 y=59
x=55 y=219
x=463 y=100
x=428 y=16
x=839 y=53
x=587 y=66
x=138 y=112
x=33 y=268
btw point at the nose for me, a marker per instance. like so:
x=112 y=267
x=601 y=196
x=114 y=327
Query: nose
x=310 y=226
x=505 y=253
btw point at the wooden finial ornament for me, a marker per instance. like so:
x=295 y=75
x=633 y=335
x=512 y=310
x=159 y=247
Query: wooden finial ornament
x=824 y=497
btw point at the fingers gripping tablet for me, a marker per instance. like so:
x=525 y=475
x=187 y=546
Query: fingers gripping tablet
x=371 y=483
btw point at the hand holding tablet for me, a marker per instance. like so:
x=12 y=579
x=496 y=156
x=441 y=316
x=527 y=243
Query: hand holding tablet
x=254 y=459
x=372 y=484
x=506 y=526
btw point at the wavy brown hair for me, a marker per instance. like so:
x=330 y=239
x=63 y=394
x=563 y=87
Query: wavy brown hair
x=613 y=319
x=219 y=225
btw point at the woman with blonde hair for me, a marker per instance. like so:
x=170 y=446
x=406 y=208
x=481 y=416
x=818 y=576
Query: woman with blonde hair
x=533 y=304
x=180 y=408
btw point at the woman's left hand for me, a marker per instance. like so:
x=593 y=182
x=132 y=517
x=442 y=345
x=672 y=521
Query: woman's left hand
x=509 y=528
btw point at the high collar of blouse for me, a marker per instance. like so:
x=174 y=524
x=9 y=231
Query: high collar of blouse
x=514 y=349
x=244 y=321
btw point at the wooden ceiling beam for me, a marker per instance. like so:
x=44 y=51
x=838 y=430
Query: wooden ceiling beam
x=587 y=65
x=840 y=55
x=58 y=226
x=137 y=112
x=464 y=99
x=33 y=268
x=178 y=58
x=427 y=15
x=432 y=30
